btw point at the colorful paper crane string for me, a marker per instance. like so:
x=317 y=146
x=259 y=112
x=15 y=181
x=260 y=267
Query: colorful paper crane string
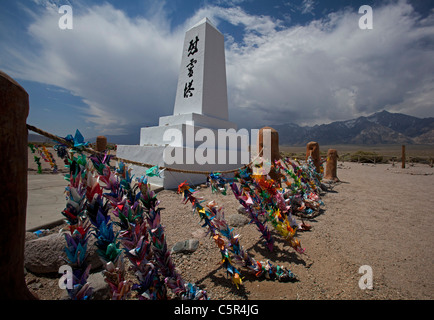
x=213 y=218
x=95 y=190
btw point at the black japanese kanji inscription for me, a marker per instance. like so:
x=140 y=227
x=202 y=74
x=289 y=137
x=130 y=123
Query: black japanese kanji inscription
x=190 y=67
x=188 y=89
x=192 y=49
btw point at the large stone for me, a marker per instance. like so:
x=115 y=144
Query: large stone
x=46 y=254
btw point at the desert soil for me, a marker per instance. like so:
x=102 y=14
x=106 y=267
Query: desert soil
x=377 y=215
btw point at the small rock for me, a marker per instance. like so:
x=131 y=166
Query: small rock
x=237 y=220
x=199 y=233
x=41 y=232
x=35 y=285
x=187 y=246
x=31 y=236
x=101 y=289
x=242 y=210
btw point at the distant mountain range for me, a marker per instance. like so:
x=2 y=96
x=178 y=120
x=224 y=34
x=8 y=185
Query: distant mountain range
x=33 y=137
x=379 y=128
x=115 y=139
x=127 y=139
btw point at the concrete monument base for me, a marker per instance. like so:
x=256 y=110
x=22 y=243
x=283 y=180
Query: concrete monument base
x=170 y=180
x=197 y=119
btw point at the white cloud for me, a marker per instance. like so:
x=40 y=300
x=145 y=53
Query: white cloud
x=125 y=69
x=307 y=6
x=253 y=25
x=331 y=70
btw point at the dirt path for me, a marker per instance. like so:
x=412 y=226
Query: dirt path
x=383 y=217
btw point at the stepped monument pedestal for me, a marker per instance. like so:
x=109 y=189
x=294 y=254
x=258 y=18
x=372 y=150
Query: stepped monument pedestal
x=198 y=136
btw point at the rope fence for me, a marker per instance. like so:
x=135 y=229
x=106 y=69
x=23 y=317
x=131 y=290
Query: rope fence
x=141 y=164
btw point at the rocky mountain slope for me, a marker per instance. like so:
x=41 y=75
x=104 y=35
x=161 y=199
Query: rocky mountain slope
x=379 y=128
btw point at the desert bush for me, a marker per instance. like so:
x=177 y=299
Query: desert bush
x=367 y=157
x=422 y=160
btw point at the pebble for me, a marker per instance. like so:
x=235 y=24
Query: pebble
x=237 y=220
x=187 y=246
x=242 y=210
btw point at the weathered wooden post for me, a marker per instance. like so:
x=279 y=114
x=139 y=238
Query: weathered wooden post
x=272 y=150
x=312 y=149
x=331 y=165
x=101 y=143
x=403 y=156
x=14 y=109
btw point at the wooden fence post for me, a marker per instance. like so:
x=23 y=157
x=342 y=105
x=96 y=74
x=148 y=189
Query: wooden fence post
x=331 y=165
x=274 y=149
x=14 y=109
x=101 y=143
x=403 y=156
x=312 y=149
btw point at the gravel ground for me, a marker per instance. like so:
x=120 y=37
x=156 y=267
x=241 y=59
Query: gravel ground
x=378 y=215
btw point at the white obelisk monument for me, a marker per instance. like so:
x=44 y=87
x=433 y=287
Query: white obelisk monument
x=201 y=103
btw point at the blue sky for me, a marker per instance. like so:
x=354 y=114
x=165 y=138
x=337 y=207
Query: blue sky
x=301 y=61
